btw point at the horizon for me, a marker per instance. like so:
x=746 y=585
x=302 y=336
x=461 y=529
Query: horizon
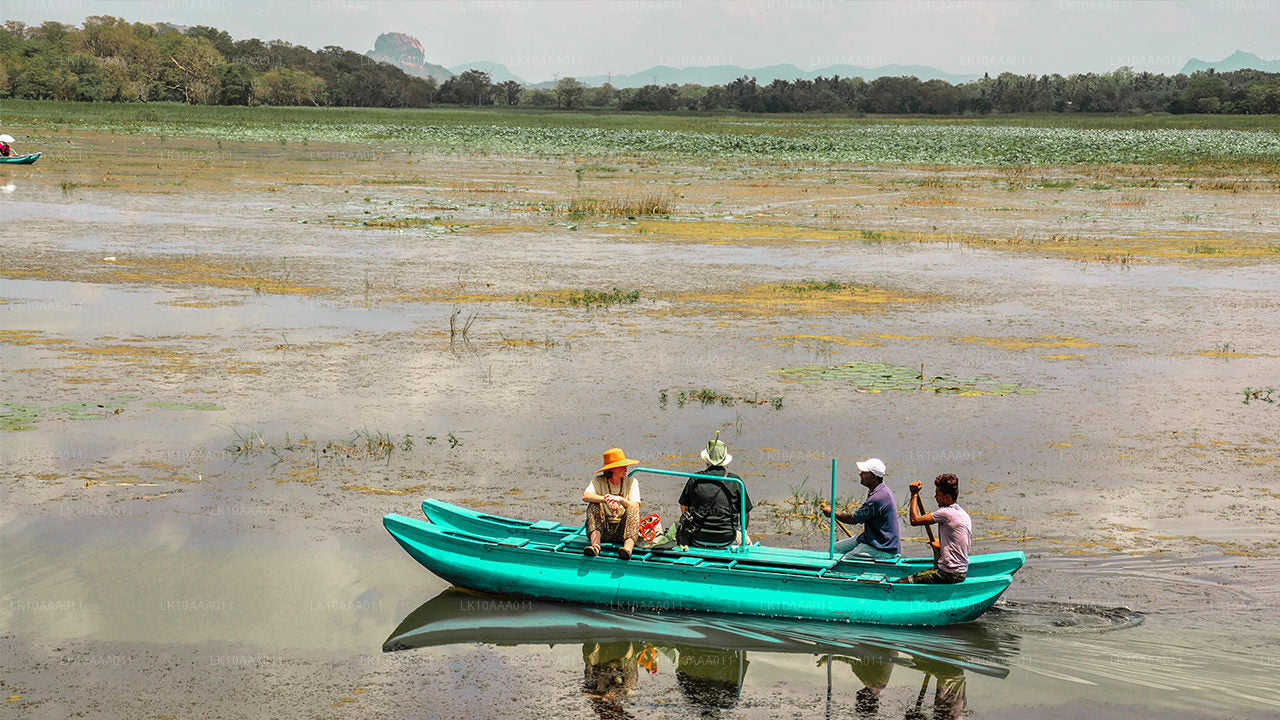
x=542 y=41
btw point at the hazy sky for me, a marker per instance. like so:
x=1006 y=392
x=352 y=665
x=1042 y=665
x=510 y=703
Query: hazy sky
x=539 y=39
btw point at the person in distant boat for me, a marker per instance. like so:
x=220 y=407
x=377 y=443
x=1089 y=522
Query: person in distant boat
x=878 y=514
x=709 y=509
x=5 y=149
x=613 y=505
x=951 y=549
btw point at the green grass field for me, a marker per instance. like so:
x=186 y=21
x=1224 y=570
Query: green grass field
x=1235 y=140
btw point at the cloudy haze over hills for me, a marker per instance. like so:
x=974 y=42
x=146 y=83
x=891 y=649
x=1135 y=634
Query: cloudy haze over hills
x=540 y=40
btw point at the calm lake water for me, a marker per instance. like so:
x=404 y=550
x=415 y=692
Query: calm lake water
x=194 y=484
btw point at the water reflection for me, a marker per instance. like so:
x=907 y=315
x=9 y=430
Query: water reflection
x=612 y=670
x=708 y=655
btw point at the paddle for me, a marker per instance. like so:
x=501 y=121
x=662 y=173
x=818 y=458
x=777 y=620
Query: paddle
x=927 y=528
x=915 y=713
x=842 y=527
x=836 y=520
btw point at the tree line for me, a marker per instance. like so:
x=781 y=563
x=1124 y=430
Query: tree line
x=109 y=59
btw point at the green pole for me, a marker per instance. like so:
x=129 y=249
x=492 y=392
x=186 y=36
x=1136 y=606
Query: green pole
x=832 y=547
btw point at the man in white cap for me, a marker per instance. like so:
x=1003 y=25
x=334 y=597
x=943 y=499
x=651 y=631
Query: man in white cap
x=878 y=514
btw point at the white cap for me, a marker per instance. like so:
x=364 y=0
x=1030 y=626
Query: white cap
x=872 y=465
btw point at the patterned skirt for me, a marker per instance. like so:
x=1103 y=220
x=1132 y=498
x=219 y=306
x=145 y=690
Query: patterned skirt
x=613 y=530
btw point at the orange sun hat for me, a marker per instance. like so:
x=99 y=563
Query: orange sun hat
x=614 y=457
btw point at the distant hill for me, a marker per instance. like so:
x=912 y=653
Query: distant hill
x=1238 y=60
x=724 y=74
x=498 y=73
x=405 y=52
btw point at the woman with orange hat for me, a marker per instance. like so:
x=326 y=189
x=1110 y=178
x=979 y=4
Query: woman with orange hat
x=613 y=505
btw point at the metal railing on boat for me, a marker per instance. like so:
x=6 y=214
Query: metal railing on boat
x=741 y=545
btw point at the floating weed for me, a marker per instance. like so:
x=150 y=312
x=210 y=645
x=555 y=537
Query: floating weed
x=1264 y=395
x=808 y=296
x=1226 y=351
x=583 y=298
x=651 y=205
x=821 y=286
x=515 y=342
x=18 y=416
x=872 y=377
x=1017 y=343
x=1204 y=248
x=707 y=396
x=381 y=491
x=166 y=405
x=25 y=416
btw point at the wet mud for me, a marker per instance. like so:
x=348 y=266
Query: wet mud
x=223 y=365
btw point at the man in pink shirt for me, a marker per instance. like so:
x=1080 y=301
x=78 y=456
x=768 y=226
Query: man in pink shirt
x=951 y=549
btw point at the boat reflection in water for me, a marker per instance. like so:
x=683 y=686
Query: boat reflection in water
x=710 y=652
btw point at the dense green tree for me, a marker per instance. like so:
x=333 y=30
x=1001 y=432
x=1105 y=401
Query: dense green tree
x=109 y=59
x=285 y=86
x=508 y=92
x=219 y=39
x=235 y=85
x=569 y=92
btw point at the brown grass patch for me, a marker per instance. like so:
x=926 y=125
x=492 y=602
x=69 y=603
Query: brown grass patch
x=770 y=299
x=648 y=205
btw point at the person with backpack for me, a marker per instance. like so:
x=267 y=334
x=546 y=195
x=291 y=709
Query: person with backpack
x=709 y=509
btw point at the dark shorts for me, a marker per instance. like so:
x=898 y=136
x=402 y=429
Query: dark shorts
x=933 y=576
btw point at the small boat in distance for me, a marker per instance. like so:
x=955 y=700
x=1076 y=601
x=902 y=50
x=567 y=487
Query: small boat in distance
x=21 y=159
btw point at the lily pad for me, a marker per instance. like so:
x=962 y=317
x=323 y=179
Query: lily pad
x=869 y=377
x=18 y=416
x=185 y=406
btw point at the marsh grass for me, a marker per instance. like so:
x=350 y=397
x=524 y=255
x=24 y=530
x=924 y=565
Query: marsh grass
x=707 y=396
x=819 y=286
x=804 y=505
x=1204 y=248
x=649 y=205
x=595 y=298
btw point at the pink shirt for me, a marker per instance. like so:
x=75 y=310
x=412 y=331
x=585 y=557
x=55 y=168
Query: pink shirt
x=954 y=530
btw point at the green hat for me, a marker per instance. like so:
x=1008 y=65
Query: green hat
x=716 y=452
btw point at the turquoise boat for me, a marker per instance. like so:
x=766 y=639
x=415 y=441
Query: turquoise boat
x=462 y=617
x=20 y=159
x=496 y=527
x=721 y=581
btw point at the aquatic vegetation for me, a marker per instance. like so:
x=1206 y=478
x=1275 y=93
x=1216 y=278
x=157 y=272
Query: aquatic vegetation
x=26 y=416
x=185 y=406
x=707 y=396
x=873 y=377
x=1017 y=343
x=580 y=208
x=362 y=445
x=583 y=298
x=18 y=416
x=1203 y=248
x=821 y=286
x=1260 y=394
x=807 y=297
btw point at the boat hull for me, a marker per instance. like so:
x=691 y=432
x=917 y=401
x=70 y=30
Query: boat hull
x=20 y=159
x=496 y=527
x=744 y=585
